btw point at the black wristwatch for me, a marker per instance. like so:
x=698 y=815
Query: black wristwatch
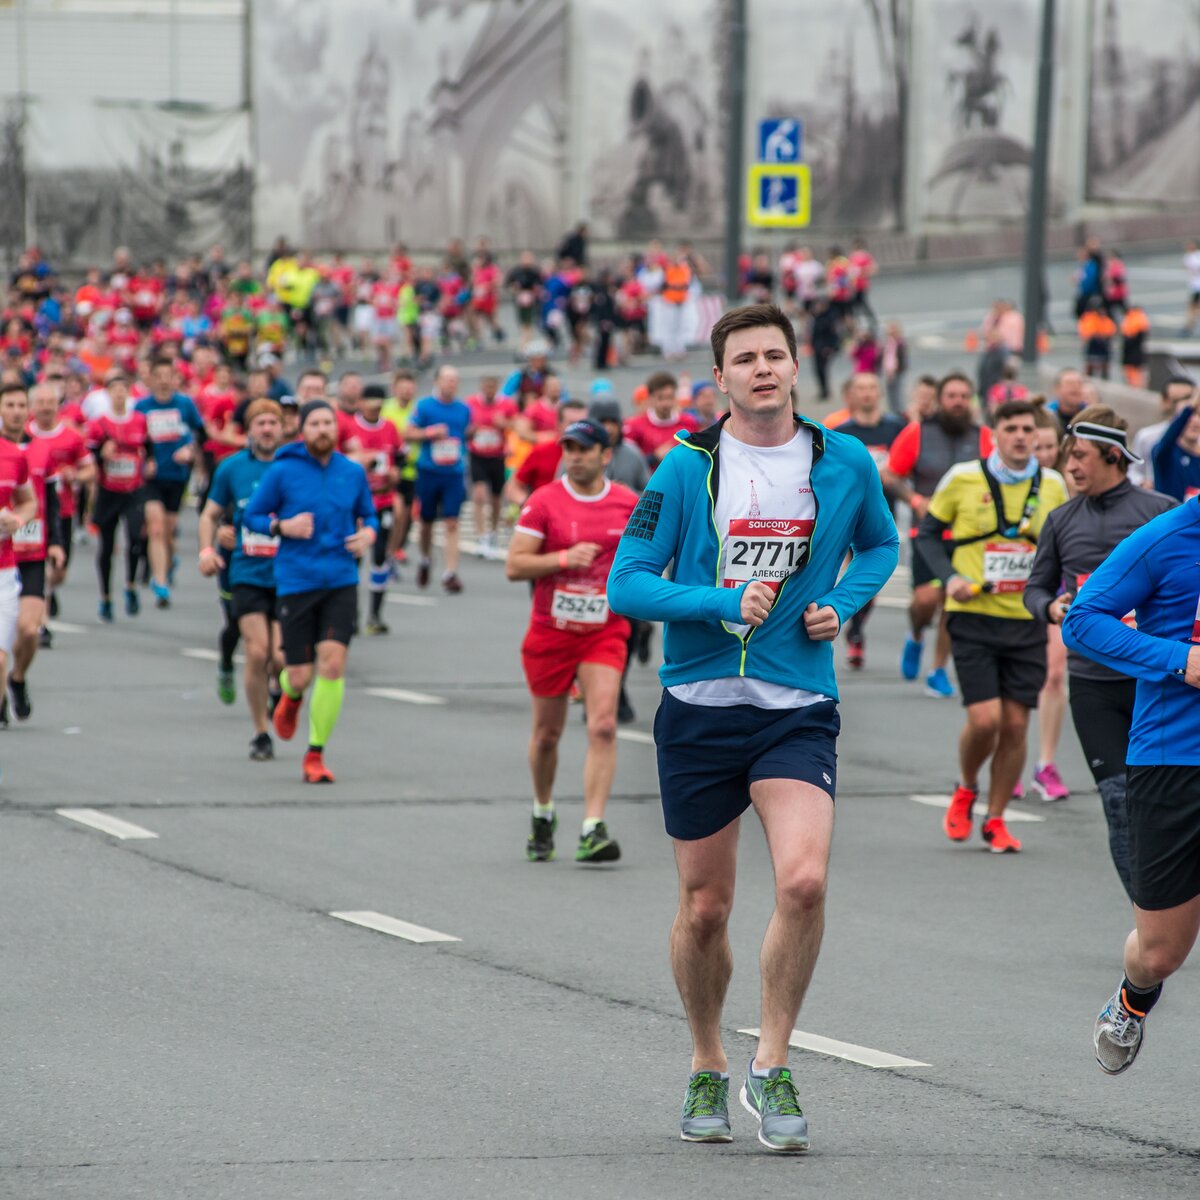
x=274 y=527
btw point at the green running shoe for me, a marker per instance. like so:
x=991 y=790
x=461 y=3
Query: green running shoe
x=597 y=846
x=540 y=846
x=226 y=689
x=781 y=1124
x=706 y=1108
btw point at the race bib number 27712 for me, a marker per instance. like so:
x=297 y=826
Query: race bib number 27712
x=766 y=550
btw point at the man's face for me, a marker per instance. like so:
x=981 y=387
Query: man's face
x=489 y=385
x=1087 y=469
x=256 y=386
x=369 y=408
x=14 y=414
x=291 y=422
x=1015 y=439
x=350 y=390
x=118 y=393
x=584 y=465
x=864 y=393
x=44 y=406
x=613 y=429
x=956 y=399
x=662 y=400
x=265 y=431
x=569 y=414
x=758 y=372
x=162 y=381
x=1176 y=393
x=552 y=389
x=405 y=391
x=320 y=433
x=705 y=402
x=310 y=387
x=447 y=383
x=1070 y=393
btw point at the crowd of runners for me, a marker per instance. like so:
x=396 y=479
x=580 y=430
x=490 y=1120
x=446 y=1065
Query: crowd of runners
x=692 y=504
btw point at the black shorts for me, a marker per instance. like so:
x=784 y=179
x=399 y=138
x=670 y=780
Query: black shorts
x=1163 y=804
x=33 y=579
x=323 y=615
x=167 y=492
x=248 y=599
x=407 y=489
x=998 y=658
x=922 y=573
x=489 y=471
x=67 y=525
x=709 y=757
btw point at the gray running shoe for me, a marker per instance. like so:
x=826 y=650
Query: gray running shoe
x=1117 y=1036
x=781 y=1124
x=706 y=1109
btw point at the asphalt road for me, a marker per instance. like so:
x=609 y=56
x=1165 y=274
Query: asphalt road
x=184 y=1018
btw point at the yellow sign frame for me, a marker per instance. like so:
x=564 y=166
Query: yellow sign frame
x=762 y=219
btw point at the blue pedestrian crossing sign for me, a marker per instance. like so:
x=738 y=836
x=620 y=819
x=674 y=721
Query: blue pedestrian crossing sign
x=780 y=140
x=779 y=195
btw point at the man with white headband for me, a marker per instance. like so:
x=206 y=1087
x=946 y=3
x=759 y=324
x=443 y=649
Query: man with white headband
x=1075 y=540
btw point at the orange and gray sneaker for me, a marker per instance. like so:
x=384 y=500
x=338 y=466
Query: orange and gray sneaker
x=999 y=840
x=287 y=711
x=315 y=770
x=958 y=816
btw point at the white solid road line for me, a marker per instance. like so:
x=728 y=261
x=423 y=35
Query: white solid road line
x=412 y=601
x=635 y=735
x=113 y=826
x=404 y=696
x=1010 y=814
x=401 y=929
x=863 y=1055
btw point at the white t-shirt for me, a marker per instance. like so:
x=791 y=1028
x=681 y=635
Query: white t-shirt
x=1144 y=442
x=765 y=513
x=808 y=274
x=96 y=404
x=1191 y=264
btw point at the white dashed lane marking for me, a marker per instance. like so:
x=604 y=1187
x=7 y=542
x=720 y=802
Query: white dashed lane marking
x=635 y=735
x=394 y=927
x=113 y=826
x=403 y=696
x=863 y=1055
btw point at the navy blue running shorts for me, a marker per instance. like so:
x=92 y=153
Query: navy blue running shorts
x=708 y=758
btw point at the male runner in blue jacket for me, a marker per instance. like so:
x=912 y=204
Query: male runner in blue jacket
x=1155 y=574
x=318 y=503
x=757 y=514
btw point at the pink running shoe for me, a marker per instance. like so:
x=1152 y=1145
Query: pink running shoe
x=1018 y=791
x=1049 y=783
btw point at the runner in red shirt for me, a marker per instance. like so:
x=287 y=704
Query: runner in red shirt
x=73 y=465
x=144 y=298
x=542 y=464
x=862 y=271
x=119 y=442
x=38 y=538
x=491 y=417
x=18 y=506
x=565 y=541
x=217 y=402
x=485 y=296
x=377 y=445
x=653 y=431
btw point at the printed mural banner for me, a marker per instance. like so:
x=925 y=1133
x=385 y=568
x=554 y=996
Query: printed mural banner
x=163 y=180
x=410 y=121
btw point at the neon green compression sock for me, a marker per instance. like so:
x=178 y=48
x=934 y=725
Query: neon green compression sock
x=287 y=689
x=323 y=709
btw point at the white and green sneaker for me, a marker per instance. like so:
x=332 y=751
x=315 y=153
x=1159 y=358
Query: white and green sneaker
x=782 y=1125
x=706 y=1108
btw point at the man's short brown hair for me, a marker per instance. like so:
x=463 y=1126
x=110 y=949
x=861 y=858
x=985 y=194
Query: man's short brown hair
x=660 y=379
x=750 y=316
x=263 y=405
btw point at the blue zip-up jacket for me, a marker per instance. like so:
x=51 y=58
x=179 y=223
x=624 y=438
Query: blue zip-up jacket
x=674 y=522
x=338 y=496
x=1175 y=471
x=1154 y=572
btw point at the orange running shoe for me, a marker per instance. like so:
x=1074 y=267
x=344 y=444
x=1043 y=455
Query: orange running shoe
x=999 y=840
x=958 y=816
x=287 y=711
x=315 y=770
